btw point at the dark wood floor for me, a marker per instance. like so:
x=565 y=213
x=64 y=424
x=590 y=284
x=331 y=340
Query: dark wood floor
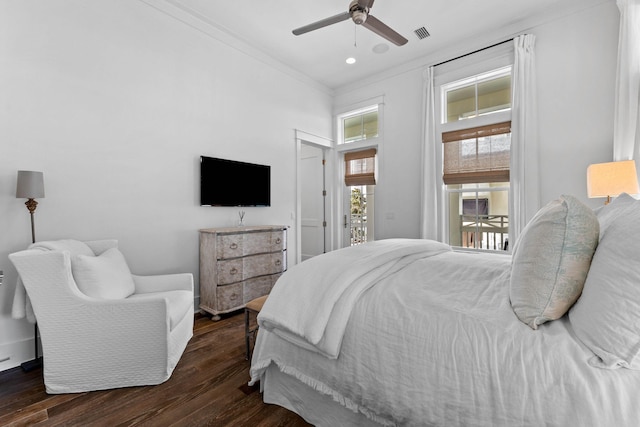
x=207 y=388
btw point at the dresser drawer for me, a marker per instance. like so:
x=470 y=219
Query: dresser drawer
x=229 y=271
x=272 y=241
x=238 y=245
x=238 y=269
x=229 y=297
x=232 y=296
x=257 y=287
x=229 y=246
x=259 y=265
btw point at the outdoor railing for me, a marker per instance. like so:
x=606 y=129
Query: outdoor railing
x=358 y=229
x=484 y=231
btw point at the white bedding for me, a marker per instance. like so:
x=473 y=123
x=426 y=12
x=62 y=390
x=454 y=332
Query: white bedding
x=437 y=343
x=327 y=288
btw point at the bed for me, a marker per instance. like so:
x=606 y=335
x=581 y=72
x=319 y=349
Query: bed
x=411 y=332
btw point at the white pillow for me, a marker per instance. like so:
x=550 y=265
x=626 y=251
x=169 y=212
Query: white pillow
x=551 y=260
x=76 y=247
x=608 y=213
x=606 y=318
x=106 y=276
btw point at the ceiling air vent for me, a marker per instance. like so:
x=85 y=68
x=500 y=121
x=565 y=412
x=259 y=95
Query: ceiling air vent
x=422 y=33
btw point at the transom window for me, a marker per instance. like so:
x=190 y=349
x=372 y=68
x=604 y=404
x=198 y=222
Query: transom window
x=477 y=96
x=360 y=125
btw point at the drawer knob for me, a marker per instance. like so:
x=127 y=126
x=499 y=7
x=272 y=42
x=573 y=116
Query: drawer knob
x=278 y=241
x=234 y=245
x=278 y=262
x=233 y=297
x=233 y=271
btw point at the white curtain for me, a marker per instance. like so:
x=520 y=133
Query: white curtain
x=626 y=138
x=429 y=212
x=525 y=193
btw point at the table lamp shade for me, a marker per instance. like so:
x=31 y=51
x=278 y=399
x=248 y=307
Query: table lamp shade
x=611 y=179
x=30 y=185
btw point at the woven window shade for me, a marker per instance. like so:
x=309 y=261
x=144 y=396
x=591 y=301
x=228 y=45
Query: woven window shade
x=360 y=167
x=476 y=155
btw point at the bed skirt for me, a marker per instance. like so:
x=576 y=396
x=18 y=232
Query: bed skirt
x=316 y=408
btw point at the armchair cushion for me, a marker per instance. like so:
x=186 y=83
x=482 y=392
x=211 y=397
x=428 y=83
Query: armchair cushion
x=106 y=276
x=178 y=303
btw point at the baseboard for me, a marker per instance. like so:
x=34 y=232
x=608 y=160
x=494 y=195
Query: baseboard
x=15 y=353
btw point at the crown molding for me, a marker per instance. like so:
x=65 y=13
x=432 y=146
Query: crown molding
x=469 y=45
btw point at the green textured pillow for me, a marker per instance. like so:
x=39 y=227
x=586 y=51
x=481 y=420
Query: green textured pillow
x=551 y=260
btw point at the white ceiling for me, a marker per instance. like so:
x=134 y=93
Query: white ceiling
x=456 y=27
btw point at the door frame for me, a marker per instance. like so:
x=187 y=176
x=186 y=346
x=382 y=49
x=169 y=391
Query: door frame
x=302 y=137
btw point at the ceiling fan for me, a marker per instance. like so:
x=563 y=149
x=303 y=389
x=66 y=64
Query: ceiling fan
x=359 y=13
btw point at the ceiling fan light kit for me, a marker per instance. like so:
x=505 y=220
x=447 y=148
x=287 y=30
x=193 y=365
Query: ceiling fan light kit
x=359 y=12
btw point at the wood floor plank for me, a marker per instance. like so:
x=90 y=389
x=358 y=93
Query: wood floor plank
x=209 y=387
x=32 y=418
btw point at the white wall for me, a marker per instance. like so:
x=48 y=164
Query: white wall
x=115 y=101
x=576 y=82
x=576 y=64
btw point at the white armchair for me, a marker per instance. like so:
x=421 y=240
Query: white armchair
x=102 y=327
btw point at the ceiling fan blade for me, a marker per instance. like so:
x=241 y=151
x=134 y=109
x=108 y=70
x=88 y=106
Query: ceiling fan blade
x=322 y=23
x=383 y=30
x=365 y=3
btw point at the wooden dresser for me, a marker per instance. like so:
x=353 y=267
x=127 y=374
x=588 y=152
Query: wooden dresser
x=238 y=264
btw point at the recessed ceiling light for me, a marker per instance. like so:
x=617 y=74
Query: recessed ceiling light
x=351 y=60
x=381 y=48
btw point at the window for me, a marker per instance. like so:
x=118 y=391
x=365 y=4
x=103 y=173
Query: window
x=479 y=154
x=476 y=142
x=360 y=125
x=360 y=177
x=360 y=167
x=475 y=206
x=361 y=214
x=359 y=143
x=477 y=96
x=478 y=215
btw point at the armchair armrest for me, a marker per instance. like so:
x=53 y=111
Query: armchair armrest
x=163 y=282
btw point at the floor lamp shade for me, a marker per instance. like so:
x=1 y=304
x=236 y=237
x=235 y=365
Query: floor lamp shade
x=611 y=179
x=30 y=185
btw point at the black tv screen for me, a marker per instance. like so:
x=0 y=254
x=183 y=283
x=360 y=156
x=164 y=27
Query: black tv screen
x=232 y=183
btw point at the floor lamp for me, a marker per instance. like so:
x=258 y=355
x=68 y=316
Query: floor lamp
x=31 y=186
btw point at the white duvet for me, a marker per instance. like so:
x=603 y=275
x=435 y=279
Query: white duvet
x=437 y=343
x=311 y=305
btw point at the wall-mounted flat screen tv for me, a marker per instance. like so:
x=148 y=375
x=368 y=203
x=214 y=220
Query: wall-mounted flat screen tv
x=232 y=183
